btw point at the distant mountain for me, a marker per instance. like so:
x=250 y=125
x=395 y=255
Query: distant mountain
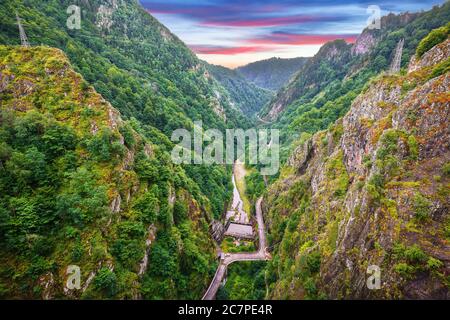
x=326 y=66
x=249 y=98
x=273 y=73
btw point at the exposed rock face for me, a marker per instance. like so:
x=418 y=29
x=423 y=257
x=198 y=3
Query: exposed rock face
x=373 y=190
x=144 y=263
x=371 y=106
x=364 y=43
x=439 y=53
x=301 y=156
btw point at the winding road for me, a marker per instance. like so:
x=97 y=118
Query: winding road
x=229 y=258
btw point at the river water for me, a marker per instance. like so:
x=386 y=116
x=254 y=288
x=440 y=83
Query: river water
x=236 y=212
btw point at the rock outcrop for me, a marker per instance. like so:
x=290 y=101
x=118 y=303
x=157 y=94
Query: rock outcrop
x=370 y=191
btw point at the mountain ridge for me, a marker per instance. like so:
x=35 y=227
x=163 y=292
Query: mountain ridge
x=273 y=73
x=359 y=194
x=248 y=97
x=322 y=91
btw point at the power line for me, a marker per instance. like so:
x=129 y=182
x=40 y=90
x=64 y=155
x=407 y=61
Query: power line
x=397 y=61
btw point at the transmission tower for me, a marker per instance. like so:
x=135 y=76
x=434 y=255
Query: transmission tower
x=23 y=36
x=397 y=61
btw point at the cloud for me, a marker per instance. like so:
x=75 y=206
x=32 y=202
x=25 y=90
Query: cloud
x=230 y=31
x=219 y=50
x=269 y=21
x=279 y=38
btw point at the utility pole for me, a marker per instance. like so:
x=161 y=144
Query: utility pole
x=23 y=36
x=397 y=61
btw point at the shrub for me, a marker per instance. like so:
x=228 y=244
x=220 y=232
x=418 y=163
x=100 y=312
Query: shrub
x=128 y=252
x=447 y=230
x=131 y=230
x=446 y=169
x=313 y=262
x=163 y=262
x=105 y=146
x=106 y=282
x=413 y=148
x=415 y=255
x=310 y=287
x=367 y=161
x=440 y=69
x=4 y=291
x=180 y=211
x=147 y=206
x=434 y=264
x=389 y=142
x=435 y=37
x=421 y=207
x=404 y=269
x=127 y=132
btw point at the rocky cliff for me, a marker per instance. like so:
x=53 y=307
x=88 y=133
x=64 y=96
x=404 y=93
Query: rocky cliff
x=323 y=90
x=371 y=191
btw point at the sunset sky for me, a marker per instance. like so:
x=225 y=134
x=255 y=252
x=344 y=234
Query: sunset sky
x=234 y=32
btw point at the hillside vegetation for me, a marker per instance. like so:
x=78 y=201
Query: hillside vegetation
x=136 y=64
x=81 y=186
x=244 y=95
x=326 y=86
x=371 y=190
x=272 y=74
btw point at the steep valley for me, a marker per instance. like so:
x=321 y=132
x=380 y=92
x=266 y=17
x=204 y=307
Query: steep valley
x=87 y=181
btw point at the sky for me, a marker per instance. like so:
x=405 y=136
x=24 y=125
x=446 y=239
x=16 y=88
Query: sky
x=233 y=33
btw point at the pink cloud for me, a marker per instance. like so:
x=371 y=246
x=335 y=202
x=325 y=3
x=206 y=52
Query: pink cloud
x=265 y=21
x=225 y=50
x=301 y=39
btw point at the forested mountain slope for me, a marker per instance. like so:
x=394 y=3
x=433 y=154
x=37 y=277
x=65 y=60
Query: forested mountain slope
x=325 y=87
x=249 y=98
x=371 y=190
x=137 y=65
x=80 y=186
x=131 y=59
x=272 y=74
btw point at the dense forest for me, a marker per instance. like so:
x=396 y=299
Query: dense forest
x=79 y=185
x=132 y=66
x=87 y=179
x=106 y=186
x=327 y=84
x=249 y=98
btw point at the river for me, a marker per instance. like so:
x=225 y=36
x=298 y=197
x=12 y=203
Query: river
x=237 y=212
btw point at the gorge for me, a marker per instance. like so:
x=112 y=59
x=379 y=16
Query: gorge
x=87 y=176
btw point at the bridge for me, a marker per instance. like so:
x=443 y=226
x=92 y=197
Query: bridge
x=229 y=258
